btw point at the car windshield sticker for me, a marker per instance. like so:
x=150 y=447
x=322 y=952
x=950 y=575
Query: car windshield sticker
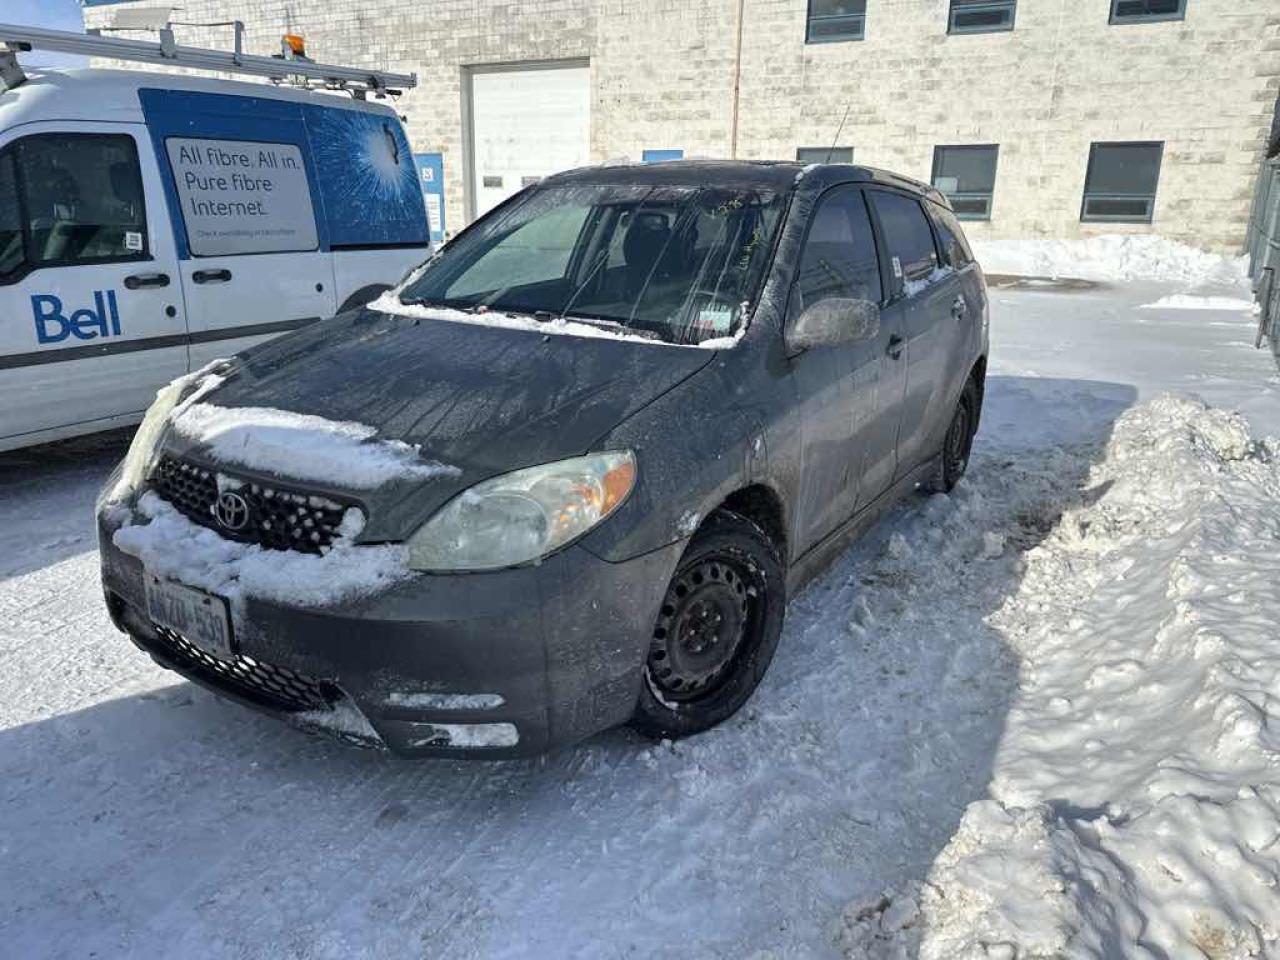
x=133 y=240
x=717 y=317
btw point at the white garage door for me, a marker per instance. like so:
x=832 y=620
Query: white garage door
x=527 y=124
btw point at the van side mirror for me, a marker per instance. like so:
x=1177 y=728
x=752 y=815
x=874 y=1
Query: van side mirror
x=831 y=322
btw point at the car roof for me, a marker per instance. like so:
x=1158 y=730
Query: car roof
x=778 y=175
x=97 y=94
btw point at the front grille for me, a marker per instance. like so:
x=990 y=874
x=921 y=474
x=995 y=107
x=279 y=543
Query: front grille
x=278 y=518
x=275 y=687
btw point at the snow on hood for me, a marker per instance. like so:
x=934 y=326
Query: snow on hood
x=1135 y=795
x=170 y=545
x=1111 y=258
x=302 y=446
x=390 y=302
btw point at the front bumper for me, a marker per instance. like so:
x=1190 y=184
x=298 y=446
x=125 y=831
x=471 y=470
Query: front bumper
x=562 y=644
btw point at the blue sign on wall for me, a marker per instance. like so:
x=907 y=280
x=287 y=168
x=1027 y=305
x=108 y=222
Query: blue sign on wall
x=656 y=156
x=431 y=176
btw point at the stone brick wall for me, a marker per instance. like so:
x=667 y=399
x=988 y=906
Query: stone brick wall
x=663 y=73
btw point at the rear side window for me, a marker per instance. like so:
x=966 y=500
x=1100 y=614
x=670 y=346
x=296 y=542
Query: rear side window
x=69 y=199
x=955 y=248
x=839 y=258
x=907 y=235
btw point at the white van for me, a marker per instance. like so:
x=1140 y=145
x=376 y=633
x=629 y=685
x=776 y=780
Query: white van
x=151 y=222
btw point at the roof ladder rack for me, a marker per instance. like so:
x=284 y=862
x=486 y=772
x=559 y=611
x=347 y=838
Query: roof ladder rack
x=287 y=68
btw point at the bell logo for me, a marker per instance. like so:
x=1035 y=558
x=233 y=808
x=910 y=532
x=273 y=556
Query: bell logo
x=87 y=323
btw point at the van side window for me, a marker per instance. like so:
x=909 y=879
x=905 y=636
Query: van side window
x=907 y=235
x=82 y=199
x=839 y=258
x=955 y=248
x=11 y=252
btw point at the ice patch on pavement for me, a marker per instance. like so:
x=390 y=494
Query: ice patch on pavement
x=1135 y=797
x=170 y=545
x=303 y=447
x=1114 y=258
x=1183 y=301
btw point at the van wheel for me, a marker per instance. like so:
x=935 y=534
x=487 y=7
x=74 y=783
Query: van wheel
x=954 y=460
x=716 y=631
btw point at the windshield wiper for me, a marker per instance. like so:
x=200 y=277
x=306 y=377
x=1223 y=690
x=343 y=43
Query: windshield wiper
x=607 y=323
x=464 y=305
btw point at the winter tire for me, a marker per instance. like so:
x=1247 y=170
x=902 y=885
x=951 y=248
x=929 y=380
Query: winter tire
x=716 y=631
x=958 y=443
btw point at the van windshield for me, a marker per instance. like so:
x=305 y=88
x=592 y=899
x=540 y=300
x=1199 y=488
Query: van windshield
x=678 y=263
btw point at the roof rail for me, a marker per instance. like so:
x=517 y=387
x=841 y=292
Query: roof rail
x=290 y=67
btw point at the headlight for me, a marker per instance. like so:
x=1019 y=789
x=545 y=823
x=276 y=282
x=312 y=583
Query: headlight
x=136 y=463
x=523 y=516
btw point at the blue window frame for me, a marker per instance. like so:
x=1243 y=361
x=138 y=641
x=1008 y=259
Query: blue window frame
x=1146 y=11
x=981 y=16
x=967 y=176
x=1120 y=186
x=830 y=21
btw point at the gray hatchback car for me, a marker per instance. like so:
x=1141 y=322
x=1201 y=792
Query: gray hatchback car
x=567 y=474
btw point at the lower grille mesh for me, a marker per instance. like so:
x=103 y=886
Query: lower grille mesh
x=272 y=686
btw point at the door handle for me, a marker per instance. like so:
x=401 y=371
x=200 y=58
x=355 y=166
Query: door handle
x=211 y=276
x=896 y=345
x=139 y=281
x=959 y=308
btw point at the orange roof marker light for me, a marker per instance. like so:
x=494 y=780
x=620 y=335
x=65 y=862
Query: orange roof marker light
x=294 y=47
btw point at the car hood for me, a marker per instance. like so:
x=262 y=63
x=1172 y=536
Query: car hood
x=482 y=399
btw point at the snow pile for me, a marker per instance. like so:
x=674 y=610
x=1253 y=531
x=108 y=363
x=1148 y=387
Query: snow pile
x=170 y=545
x=1183 y=301
x=390 y=302
x=1110 y=258
x=303 y=447
x=1134 y=805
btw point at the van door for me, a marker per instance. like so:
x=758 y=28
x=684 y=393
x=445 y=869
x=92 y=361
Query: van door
x=91 y=310
x=838 y=386
x=254 y=266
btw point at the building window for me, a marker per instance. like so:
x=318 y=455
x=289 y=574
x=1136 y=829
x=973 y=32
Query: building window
x=834 y=20
x=824 y=154
x=967 y=175
x=1121 y=183
x=981 y=16
x=1144 y=11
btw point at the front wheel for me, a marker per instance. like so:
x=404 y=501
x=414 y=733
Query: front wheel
x=954 y=460
x=716 y=631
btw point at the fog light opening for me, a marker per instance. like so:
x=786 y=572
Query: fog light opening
x=466 y=736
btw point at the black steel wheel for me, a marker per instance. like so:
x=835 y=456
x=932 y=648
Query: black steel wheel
x=716 y=630
x=958 y=443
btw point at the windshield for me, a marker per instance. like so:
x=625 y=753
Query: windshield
x=678 y=263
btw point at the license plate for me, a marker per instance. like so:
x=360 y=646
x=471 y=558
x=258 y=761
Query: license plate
x=201 y=618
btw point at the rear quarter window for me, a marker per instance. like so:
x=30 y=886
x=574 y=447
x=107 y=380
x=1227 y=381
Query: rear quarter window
x=956 y=251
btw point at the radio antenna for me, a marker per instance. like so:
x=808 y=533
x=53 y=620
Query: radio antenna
x=839 y=130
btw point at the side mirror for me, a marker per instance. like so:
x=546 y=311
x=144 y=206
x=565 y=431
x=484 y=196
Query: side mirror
x=831 y=322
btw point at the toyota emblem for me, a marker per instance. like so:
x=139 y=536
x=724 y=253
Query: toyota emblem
x=232 y=510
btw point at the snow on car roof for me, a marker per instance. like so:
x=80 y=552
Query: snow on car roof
x=91 y=93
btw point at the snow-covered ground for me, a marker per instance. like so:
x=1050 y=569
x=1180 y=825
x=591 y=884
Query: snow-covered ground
x=1036 y=718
